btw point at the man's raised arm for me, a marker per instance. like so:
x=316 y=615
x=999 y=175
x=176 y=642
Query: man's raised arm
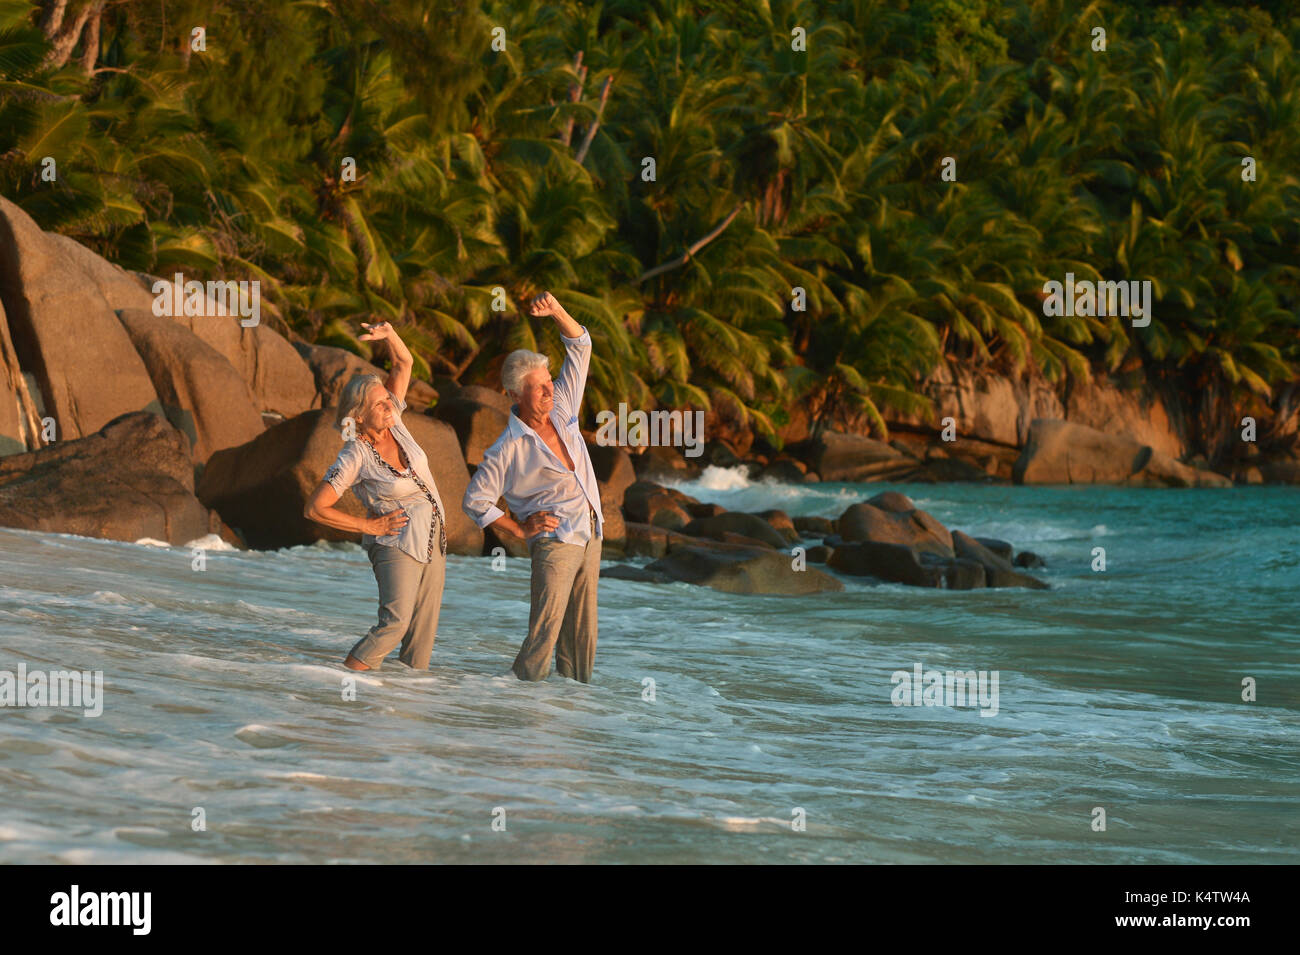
x=577 y=353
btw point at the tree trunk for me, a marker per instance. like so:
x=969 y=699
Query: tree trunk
x=90 y=40
x=63 y=35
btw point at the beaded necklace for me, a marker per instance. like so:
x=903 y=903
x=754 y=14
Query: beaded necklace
x=410 y=472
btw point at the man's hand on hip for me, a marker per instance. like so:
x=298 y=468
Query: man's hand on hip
x=540 y=522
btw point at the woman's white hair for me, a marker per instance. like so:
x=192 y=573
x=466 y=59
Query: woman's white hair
x=353 y=397
x=517 y=366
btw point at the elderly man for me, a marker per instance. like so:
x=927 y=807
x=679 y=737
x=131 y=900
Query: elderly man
x=540 y=464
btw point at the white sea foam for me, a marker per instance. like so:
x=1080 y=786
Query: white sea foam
x=210 y=542
x=714 y=478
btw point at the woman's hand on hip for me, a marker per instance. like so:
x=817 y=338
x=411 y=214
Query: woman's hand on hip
x=386 y=524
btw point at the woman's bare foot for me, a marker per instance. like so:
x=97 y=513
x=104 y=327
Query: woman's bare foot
x=352 y=663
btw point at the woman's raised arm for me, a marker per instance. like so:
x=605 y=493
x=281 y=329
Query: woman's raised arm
x=399 y=377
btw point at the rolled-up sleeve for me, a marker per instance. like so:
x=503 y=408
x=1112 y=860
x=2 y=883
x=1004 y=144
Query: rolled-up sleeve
x=573 y=375
x=485 y=488
x=343 y=473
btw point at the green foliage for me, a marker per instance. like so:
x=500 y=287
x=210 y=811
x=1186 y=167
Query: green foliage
x=822 y=168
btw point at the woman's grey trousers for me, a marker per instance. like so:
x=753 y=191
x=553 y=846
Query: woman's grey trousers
x=410 y=596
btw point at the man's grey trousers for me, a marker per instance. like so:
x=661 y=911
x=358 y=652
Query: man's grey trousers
x=562 y=615
x=410 y=597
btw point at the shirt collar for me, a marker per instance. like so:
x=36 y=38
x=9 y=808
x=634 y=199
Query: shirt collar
x=517 y=428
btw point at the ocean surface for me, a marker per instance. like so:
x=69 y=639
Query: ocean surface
x=770 y=734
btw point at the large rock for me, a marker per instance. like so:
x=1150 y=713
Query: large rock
x=498 y=537
x=658 y=463
x=281 y=382
x=892 y=518
x=814 y=526
x=736 y=522
x=613 y=530
x=781 y=523
x=648 y=503
x=477 y=425
x=1138 y=414
x=981 y=406
x=133 y=479
x=121 y=289
x=1060 y=452
x=614 y=471
x=854 y=457
x=201 y=393
x=261 y=487
x=783 y=471
x=484 y=396
x=647 y=540
x=1283 y=469
x=20 y=424
x=65 y=332
x=998 y=570
x=896 y=563
x=985 y=406
x=614 y=475
x=332 y=368
x=742 y=570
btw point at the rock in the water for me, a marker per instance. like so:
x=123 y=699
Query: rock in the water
x=647 y=540
x=1059 y=452
x=613 y=470
x=892 y=501
x=781 y=523
x=736 y=522
x=892 y=562
x=720 y=454
x=1000 y=547
x=818 y=554
x=639 y=574
x=912 y=528
x=742 y=570
x=1283 y=469
x=962 y=573
x=658 y=463
x=853 y=457
x=493 y=537
x=261 y=487
x=644 y=501
x=613 y=530
x=132 y=479
x=783 y=471
x=1027 y=559
x=997 y=570
x=814 y=526
x=950 y=470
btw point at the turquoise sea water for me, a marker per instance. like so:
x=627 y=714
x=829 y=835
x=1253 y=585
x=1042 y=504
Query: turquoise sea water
x=1119 y=689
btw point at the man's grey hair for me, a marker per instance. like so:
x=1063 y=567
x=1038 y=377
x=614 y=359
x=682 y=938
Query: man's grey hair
x=519 y=363
x=353 y=397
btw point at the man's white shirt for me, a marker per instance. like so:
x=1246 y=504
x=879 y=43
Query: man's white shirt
x=531 y=477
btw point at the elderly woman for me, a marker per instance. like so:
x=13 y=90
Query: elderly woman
x=404 y=533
